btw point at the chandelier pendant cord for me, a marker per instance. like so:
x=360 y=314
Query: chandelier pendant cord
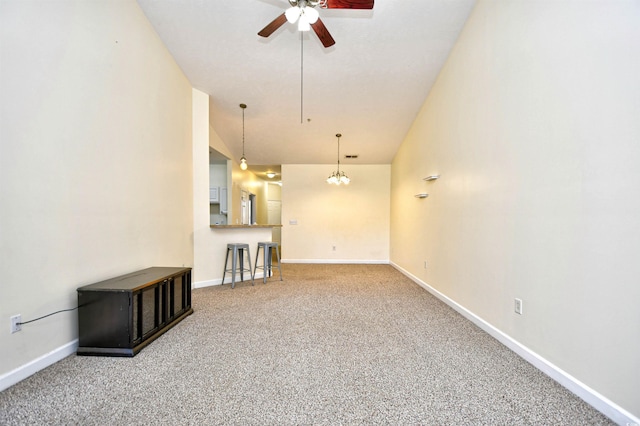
x=242 y=131
x=338 y=177
x=338 y=156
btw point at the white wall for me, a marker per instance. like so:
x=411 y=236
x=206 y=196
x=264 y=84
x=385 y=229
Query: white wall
x=95 y=162
x=218 y=175
x=202 y=265
x=534 y=126
x=354 y=218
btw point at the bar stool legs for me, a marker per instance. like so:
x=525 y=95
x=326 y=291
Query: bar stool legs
x=267 y=266
x=238 y=251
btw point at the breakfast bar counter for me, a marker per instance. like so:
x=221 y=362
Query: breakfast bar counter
x=244 y=226
x=216 y=251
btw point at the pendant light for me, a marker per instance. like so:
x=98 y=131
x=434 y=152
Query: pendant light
x=243 y=159
x=338 y=177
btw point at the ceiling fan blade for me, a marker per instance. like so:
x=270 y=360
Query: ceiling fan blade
x=323 y=33
x=349 y=4
x=273 y=25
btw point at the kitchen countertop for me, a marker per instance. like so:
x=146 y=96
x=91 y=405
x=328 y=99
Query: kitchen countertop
x=244 y=226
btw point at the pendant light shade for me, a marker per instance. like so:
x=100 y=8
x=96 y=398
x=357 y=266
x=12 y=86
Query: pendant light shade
x=338 y=177
x=292 y=14
x=303 y=24
x=311 y=14
x=243 y=159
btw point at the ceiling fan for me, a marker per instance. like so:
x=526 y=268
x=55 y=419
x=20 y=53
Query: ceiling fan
x=304 y=12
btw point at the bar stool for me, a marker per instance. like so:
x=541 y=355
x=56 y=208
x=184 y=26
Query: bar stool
x=235 y=249
x=267 y=266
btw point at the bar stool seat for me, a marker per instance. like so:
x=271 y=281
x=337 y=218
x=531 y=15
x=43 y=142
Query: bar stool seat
x=238 y=251
x=267 y=265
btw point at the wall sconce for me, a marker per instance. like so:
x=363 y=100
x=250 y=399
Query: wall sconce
x=427 y=179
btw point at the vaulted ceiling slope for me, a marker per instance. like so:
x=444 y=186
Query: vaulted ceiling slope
x=369 y=86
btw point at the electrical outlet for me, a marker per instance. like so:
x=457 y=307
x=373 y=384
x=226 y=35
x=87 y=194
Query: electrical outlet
x=334 y=248
x=15 y=323
x=426 y=265
x=518 y=306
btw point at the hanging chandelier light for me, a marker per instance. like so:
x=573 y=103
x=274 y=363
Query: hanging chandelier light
x=338 y=177
x=243 y=159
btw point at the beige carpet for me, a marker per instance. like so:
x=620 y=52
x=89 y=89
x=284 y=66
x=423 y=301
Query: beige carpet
x=331 y=344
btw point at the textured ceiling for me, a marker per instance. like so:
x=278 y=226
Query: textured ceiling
x=369 y=86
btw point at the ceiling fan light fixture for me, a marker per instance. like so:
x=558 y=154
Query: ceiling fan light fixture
x=292 y=14
x=303 y=23
x=304 y=12
x=311 y=14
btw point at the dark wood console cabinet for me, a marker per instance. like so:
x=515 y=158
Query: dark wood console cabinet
x=120 y=316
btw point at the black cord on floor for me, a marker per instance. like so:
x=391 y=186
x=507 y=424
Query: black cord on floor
x=48 y=315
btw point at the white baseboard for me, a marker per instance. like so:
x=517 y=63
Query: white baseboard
x=14 y=376
x=337 y=261
x=218 y=281
x=590 y=396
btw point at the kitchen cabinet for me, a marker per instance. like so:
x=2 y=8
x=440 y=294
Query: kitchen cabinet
x=214 y=195
x=223 y=200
